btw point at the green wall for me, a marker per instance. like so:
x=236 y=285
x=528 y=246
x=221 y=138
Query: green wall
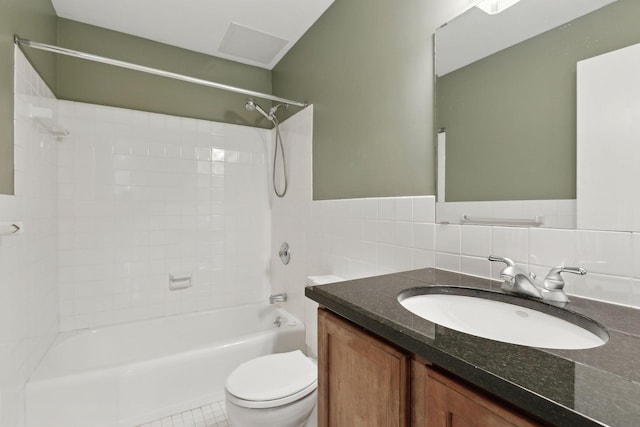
x=366 y=66
x=34 y=19
x=511 y=118
x=85 y=81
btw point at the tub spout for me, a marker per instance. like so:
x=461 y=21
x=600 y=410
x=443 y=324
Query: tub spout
x=282 y=297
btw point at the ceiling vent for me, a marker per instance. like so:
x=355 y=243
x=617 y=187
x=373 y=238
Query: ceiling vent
x=247 y=43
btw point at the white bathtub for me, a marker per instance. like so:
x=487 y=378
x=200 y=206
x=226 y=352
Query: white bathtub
x=125 y=375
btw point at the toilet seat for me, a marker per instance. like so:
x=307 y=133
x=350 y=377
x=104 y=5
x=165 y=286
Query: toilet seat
x=272 y=380
x=257 y=404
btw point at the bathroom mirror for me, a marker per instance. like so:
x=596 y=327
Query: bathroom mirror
x=506 y=106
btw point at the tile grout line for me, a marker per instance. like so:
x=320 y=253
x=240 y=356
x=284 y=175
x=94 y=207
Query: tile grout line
x=210 y=415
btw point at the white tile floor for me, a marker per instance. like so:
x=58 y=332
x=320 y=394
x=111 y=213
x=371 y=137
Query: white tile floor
x=211 y=415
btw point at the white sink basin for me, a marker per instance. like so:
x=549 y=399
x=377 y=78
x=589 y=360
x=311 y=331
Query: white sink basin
x=502 y=321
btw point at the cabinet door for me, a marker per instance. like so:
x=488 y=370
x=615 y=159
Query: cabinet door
x=452 y=404
x=363 y=381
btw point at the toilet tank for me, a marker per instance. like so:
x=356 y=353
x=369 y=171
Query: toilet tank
x=311 y=310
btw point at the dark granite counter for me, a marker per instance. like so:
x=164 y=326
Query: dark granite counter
x=599 y=386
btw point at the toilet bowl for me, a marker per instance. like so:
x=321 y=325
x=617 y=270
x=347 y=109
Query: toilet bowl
x=277 y=390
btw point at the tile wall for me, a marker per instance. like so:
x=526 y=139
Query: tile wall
x=28 y=261
x=357 y=238
x=340 y=246
x=144 y=196
x=365 y=237
x=611 y=258
x=290 y=214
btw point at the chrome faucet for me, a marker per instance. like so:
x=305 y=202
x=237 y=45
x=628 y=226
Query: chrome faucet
x=282 y=297
x=517 y=281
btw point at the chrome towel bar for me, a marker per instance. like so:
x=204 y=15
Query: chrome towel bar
x=509 y=222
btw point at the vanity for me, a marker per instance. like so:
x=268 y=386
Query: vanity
x=381 y=365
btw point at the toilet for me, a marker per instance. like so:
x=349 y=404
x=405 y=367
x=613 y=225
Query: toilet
x=276 y=390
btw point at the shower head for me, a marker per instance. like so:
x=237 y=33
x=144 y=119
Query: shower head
x=251 y=105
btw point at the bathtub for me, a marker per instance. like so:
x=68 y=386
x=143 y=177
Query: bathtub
x=128 y=374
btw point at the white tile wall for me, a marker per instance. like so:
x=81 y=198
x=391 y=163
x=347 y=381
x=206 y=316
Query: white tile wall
x=145 y=195
x=561 y=252
x=605 y=252
x=448 y=238
x=376 y=245
x=28 y=261
x=611 y=258
x=359 y=238
x=476 y=266
x=476 y=241
x=513 y=241
x=635 y=293
x=289 y=215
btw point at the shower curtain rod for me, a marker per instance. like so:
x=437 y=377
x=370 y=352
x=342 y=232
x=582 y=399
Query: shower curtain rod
x=82 y=55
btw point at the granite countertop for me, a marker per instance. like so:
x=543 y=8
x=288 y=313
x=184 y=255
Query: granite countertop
x=593 y=387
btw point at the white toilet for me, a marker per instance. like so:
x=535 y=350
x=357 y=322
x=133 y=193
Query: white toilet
x=277 y=390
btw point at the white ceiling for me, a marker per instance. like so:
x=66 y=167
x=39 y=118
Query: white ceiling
x=475 y=35
x=254 y=32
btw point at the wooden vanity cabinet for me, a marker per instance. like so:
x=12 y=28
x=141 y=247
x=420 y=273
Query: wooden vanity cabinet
x=365 y=381
x=362 y=380
x=450 y=403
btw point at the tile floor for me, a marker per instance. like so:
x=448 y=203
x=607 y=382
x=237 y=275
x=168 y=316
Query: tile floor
x=211 y=415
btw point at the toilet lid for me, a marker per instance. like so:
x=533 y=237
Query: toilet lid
x=272 y=377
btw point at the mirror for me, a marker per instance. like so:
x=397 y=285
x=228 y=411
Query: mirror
x=506 y=102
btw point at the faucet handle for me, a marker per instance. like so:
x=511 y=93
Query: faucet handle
x=508 y=273
x=507 y=261
x=555 y=281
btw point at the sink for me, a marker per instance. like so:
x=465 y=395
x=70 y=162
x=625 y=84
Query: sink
x=503 y=317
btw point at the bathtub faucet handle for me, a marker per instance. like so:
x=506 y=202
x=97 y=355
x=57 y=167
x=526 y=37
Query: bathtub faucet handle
x=282 y=297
